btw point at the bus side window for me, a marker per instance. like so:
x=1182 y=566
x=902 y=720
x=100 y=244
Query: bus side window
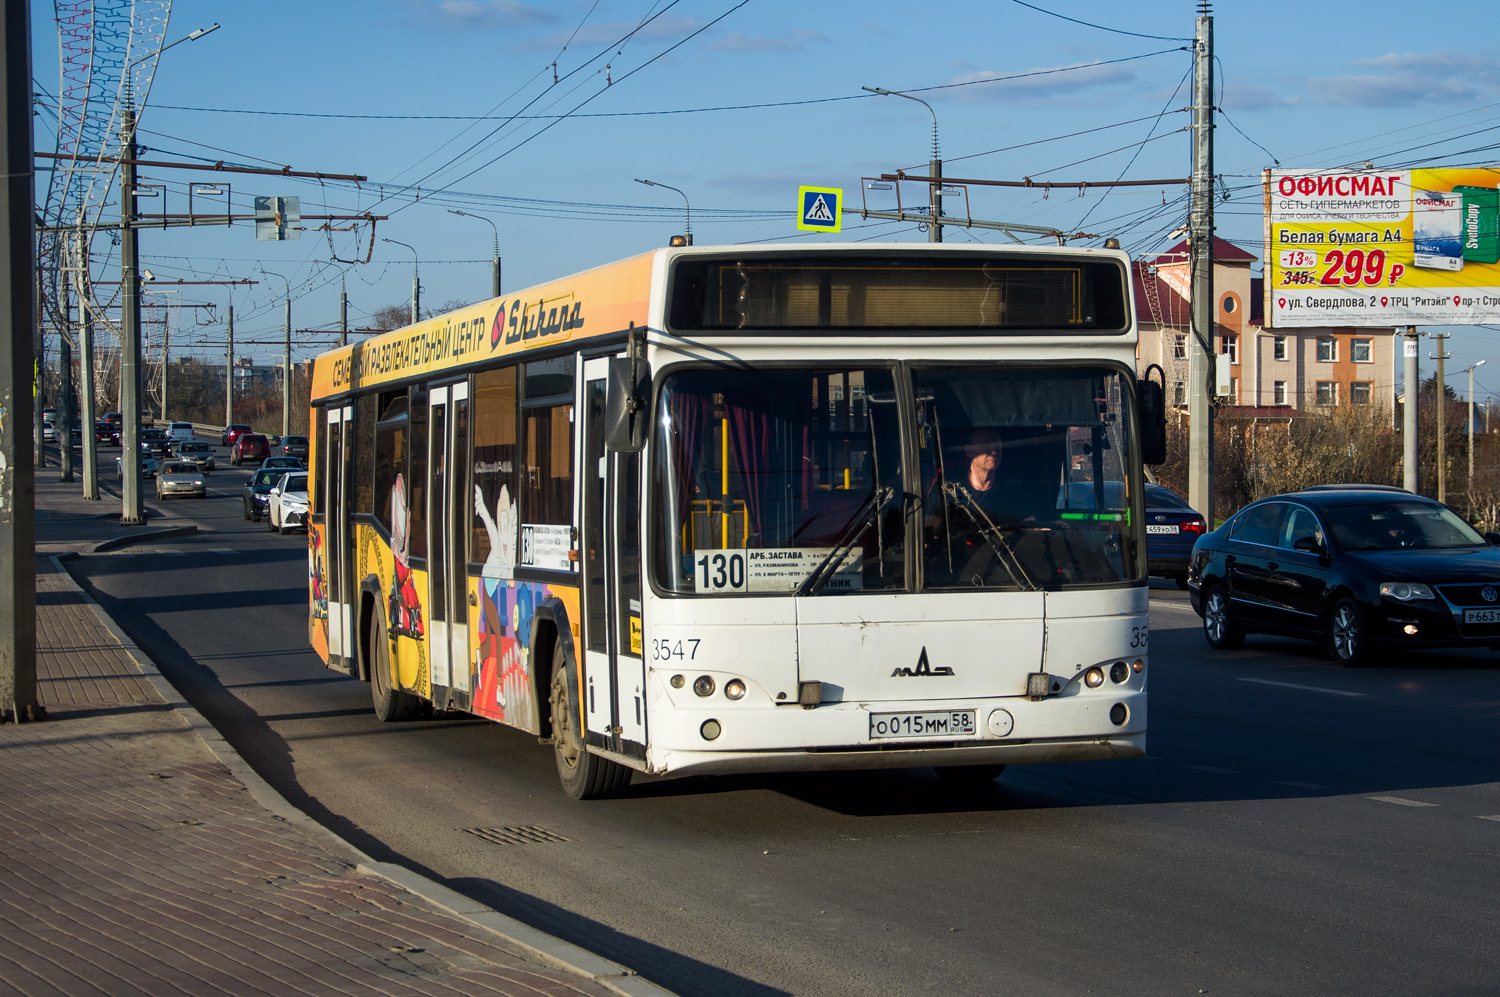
x=390 y=458
x=547 y=491
x=364 y=456
x=416 y=482
x=493 y=499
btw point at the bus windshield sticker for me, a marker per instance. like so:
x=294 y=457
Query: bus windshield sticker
x=501 y=528
x=546 y=546
x=776 y=569
x=404 y=608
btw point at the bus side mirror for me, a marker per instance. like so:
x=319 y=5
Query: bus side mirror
x=1152 y=397
x=627 y=405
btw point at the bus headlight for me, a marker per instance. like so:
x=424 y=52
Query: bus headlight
x=1119 y=672
x=734 y=689
x=678 y=681
x=704 y=685
x=1094 y=677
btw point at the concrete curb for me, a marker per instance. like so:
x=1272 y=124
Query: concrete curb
x=145 y=536
x=530 y=942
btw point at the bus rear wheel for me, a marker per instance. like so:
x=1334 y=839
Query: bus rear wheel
x=391 y=704
x=584 y=776
x=969 y=775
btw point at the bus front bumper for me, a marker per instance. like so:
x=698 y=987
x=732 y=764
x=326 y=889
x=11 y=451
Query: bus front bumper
x=838 y=736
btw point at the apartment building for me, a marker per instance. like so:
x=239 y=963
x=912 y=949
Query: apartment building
x=1272 y=371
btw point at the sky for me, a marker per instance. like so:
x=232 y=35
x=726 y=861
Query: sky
x=540 y=117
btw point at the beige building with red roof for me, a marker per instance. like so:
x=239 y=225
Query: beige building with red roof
x=1274 y=372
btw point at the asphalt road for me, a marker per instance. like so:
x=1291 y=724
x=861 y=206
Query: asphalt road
x=1298 y=828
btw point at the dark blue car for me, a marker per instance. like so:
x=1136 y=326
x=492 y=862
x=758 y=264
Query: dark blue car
x=1363 y=569
x=1172 y=528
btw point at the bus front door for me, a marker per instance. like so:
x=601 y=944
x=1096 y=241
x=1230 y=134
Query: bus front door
x=614 y=675
x=336 y=456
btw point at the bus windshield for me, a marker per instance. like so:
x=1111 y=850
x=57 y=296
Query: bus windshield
x=1024 y=481
x=792 y=480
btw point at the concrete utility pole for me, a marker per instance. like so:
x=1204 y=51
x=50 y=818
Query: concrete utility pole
x=286 y=369
x=166 y=353
x=229 y=372
x=86 y=369
x=1470 y=397
x=39 y=376
x=1441 y=384
x=132 y=512
x=1409 y=410
x=343 y=317
x=63 y=421
x=934 y=166
x=17 y=334
x=1201 y=250
x=495 y=261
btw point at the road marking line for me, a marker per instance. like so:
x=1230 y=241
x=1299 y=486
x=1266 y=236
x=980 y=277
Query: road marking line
x=222 y=550
x=1304 y=688
x=1212 y=768
x=1298 y=785
x=1488 y=816
x=1400 y=801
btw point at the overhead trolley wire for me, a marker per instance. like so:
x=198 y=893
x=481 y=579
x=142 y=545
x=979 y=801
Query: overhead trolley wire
x=1099 y=27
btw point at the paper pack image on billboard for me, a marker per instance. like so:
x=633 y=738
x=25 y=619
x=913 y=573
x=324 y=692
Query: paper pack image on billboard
x=1382 y=247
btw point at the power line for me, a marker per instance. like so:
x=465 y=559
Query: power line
x=1100 y=27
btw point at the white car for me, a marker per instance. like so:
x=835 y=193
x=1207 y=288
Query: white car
x=286 y=506
x=148 y=466
x=181 y=431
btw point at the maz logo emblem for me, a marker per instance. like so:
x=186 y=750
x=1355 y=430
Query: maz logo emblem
x=923 y=669
x=1488 y=593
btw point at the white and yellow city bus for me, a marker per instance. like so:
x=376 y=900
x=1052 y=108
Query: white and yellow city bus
x=730 y=509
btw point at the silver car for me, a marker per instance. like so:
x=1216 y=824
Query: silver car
x=198 y=452
x=287 y=505
x=180 y=477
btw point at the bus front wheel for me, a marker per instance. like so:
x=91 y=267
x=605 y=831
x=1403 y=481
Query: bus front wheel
x=584 y=776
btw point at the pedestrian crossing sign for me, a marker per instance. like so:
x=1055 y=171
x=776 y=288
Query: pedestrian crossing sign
x=819 y=209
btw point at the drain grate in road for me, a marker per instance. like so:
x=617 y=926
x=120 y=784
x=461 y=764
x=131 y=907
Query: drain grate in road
x=525 y=834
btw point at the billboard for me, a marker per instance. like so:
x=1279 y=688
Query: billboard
x=1382 y=247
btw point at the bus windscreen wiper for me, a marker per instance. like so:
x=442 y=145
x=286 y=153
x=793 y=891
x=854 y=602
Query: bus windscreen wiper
x=988 y=529
x=870 y=511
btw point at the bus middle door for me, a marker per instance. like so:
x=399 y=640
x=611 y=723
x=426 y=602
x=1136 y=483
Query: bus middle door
x=614 y=674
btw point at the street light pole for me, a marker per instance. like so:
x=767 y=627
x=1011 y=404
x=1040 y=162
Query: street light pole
x=1471 y=434
x=229 y=371
x=495 y=262
x=132 y=511
x=687 y=209
x=286 y=357
x=935 y=190
x=416 y=281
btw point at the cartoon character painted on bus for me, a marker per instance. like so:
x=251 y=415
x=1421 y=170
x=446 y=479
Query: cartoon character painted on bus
x=505 y=611
x=404 y=609
x=315 y=575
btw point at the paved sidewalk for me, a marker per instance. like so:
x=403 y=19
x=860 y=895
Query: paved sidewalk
x=140 y=855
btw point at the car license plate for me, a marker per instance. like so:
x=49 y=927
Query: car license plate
x=949 y=723
x=1482 y=616
x=1161 y=528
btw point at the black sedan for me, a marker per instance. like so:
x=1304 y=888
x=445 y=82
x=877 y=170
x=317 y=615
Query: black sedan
x=157 y=442
x=1365 y=570
x=1172 y=527
x=258 y=491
